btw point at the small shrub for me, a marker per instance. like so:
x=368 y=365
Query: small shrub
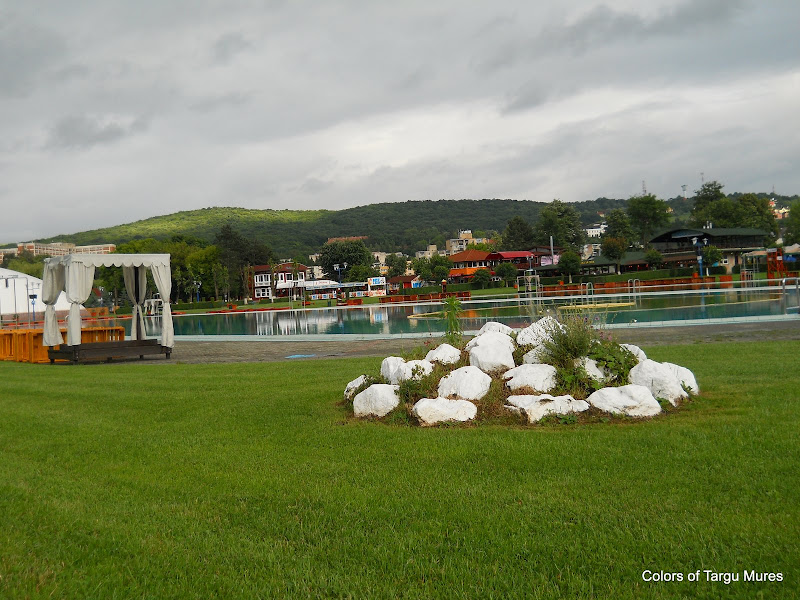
x=572 y=340
x=452 y=310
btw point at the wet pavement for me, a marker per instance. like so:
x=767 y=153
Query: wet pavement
x=278 y=350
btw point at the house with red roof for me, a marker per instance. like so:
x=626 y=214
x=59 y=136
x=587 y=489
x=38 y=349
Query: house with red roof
x=466 y=263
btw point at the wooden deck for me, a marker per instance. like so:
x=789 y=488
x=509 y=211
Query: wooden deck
x=107 y=351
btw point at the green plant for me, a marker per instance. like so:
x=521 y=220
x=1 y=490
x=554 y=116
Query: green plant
x=571 y=338
x=574 y=381
x=452 y=310
x=616 y=360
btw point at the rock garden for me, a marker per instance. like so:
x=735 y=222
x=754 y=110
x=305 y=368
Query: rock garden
x=553 y=371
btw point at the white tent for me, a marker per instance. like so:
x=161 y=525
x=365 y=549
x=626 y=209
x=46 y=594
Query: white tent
x=15 y=291
x=74 y=274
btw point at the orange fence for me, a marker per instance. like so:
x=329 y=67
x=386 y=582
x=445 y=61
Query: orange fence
x=26 y=345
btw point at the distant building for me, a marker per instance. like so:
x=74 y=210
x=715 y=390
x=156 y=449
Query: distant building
x=463 y=240
x=352 y=238
x=596 y=230
x=430 y=251
x=63 y=248
x=466 y=263
x=681 y=245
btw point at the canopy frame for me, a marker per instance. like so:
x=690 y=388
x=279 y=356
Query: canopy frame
x=74 y=274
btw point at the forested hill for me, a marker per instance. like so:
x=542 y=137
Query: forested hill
x=406 y=226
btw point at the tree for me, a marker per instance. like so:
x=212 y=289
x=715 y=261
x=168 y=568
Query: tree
x=569 y=263
x=711 y=256
x=708 y=193
x=561 y=221
x=506 y=271
x=654 y=258
x=396 y=264
x=792 y=223
x=647 y=214
x=518 y=235
x=352 y=252
x=481 y=278
x=722 y=212
x=615 y=249
x=359 y=273
x=618 y=225
x=755 y=211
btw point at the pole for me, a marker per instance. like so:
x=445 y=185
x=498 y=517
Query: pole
x=138 y=328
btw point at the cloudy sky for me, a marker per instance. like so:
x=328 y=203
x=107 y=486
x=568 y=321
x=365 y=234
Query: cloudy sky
x=114 y=111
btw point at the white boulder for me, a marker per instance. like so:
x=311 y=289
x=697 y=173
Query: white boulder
x=592 y=369
x=468 y=383
x=537 y=407
x=636 y=351
x=495 y=326
x=414 y=369
x=660 y=379
x=541 y=378
x=430 y=411
x=537 y=333
x=685 y=376
x=631 y=400
x=377 y=400
x=444 y=354
x=351 y=387
x=491 y=337
x=491 y=356
x=392 y=368
x=533 y=357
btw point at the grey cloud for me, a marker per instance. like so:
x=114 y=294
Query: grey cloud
x=221 y=101
x=229 y=45
x=80 y=131
x=26 y=51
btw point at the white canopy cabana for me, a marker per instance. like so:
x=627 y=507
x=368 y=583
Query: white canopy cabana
x=74 y=274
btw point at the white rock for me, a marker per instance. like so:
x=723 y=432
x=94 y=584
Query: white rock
x=537 y=407
x=436 y=410
x=491 y=337
x=351 y=387
x=684 y=375
x=541 y=378
x=537 y=333
x=660 y=379
x=469 y=383
x=592 y=369
x=495 y=326
x=414 y=369
x=377 y=400
x=636 y=351
x=491 y=356
x=392 y=368
x=533 y=357
x=631 y=400
x=444 y=354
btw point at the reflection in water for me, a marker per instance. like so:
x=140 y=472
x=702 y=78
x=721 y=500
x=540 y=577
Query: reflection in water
x=383 y=319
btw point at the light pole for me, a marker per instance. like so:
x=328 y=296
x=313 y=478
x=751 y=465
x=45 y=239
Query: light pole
x=197 y=285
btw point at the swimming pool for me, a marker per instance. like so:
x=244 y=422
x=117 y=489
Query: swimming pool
x=414 y=320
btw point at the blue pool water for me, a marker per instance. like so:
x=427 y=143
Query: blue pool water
x=421 y=319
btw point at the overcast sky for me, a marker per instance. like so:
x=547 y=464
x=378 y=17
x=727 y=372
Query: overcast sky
x=114 y=111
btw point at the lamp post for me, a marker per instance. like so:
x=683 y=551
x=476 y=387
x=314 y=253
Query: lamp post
x=339 y=268
x=197 y=284
x=699 y=250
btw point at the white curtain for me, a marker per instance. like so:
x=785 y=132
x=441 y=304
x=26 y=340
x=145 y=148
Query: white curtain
x=162 y=275
x=78 y=279
x=52 y=286
x=129 y=274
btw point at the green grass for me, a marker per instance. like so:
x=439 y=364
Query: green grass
x=166 y=480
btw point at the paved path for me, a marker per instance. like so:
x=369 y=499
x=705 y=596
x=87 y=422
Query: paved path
x=269 y=351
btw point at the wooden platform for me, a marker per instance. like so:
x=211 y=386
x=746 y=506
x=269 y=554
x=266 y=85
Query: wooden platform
x=107 y=351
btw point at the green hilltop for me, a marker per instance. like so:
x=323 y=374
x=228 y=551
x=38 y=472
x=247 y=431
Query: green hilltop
x=406 y=226
x=395 y=226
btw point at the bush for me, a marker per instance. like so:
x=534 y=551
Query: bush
x=572 y=339
x=718 y=270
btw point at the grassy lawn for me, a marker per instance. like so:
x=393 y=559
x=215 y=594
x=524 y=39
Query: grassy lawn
x=248 y=481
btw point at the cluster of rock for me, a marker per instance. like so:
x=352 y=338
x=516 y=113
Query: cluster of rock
x=491 y=353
